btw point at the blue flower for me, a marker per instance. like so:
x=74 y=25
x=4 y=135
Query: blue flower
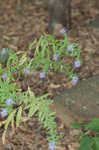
x=4 y=113
x=77 y=63
x=42 y=75
x=63 y=30
x=74 y=79
x=4 y=76
x=9 y=101
x=70 y=48
x=55 y=57
x=27 y=71
x=51 y=145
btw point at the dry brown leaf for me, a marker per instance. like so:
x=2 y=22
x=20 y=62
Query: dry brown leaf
x=54 y=86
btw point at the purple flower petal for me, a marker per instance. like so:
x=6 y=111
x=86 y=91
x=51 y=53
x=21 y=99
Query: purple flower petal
x=42 y=75
x=63 y=30
x=4 y=76
x=70 y=48
x=74 y=79
x=51 y=145
x=77 y=63
x=9 y=101
x=55 y=57
x=4 y=113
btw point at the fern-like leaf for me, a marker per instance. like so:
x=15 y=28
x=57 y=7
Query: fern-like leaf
x=7 y=122
x=32 y=110
x=18 y=117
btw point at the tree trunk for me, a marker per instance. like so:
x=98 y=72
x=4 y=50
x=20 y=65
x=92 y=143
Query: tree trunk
x=59 y=13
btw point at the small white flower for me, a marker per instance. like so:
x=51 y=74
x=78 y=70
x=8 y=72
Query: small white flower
x=9 y=101
x=74 y=79
x=42 y=75
x=4 y=113
x=77 y=63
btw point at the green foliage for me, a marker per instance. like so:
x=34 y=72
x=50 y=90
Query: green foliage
x=46 y=47
x=46 y=117
x=93 y=125
x=7 y=90
x=23 y=100
x=17 y=62
x=18 y=116
x=7 y=122
x=85 y=143
x=77 y=125
x=39 y=105
x=26 y=101
x=89 y=141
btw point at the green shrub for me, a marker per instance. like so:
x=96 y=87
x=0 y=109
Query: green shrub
x=90 y=139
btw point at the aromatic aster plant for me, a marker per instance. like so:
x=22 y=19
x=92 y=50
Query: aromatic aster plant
x=49 y=55
x=13 y=102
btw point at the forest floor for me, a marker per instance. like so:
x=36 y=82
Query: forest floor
x=20 y=24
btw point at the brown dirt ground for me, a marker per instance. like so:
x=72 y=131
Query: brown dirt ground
x=20 y=24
